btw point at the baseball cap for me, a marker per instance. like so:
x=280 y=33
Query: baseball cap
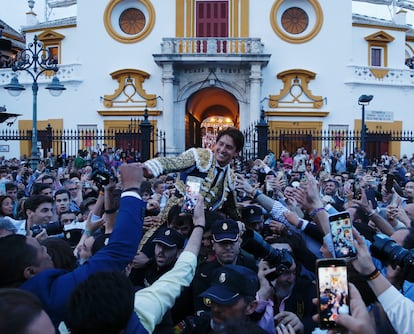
x=225 y=230
x=101 y=241
x=73 y=236
x=169 y=237
x=252 y=214
x=231 y=282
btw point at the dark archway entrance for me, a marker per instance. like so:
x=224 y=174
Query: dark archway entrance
x=208 y=103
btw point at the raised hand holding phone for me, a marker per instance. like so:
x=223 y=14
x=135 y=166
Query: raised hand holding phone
x=192 y=189
x=342 y=237
x=333 y=293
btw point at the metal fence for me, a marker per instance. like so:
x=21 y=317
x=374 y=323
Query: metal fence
x=258 y=142
x=130 y=140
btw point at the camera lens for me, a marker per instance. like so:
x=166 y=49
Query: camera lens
x=389 y=252
x=254 y=243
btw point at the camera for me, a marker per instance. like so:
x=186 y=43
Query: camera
x=389 y=252
x=254 y=244
x=102 y=176
x=51 y=228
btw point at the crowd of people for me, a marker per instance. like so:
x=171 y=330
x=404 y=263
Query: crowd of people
x=97 y=247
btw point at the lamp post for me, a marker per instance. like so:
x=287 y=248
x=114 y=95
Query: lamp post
x=34 y=60
x=363 y=101
x=262 y=135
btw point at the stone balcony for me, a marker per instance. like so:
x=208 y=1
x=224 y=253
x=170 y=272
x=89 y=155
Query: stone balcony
x=205 y=49
x=383 y=76
x=68 y=73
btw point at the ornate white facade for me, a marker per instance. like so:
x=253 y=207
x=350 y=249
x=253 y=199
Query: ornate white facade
x=305 y=63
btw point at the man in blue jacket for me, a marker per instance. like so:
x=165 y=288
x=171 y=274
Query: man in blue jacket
x=25 y=263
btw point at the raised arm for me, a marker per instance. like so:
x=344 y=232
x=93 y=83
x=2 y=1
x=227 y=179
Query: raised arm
x=308 y=196
x=383 y=225
x=399 y=309
x=151 y=303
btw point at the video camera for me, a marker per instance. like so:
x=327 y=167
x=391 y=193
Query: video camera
x=102 y=176
x=254 y=244
x=51 y=228
x=389 y=252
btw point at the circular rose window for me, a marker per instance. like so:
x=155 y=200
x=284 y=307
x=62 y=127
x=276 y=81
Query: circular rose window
x=132 y=21
x=129 y=21
x=295 y=20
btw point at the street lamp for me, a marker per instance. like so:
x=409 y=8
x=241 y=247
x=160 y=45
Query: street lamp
x=363 y=101
x=35 y=60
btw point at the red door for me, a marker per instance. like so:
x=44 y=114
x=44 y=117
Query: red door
x=212 y=21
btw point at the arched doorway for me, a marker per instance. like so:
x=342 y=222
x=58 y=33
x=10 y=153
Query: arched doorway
x=214 y=105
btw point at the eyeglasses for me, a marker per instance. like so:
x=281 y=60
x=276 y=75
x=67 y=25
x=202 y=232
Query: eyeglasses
x=73 y=189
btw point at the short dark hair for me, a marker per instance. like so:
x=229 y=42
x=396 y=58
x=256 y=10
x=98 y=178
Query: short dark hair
x=74 y=174
x=169 y=178
x=101 y=304
x=61 y=253
x=18 y=309
x=86 y=202
x=66 y=212
x=45 y=177
x=235 y=134
x=62 y=191
x=145 y=187
x=15 y=256
x=10 y=186
x=37 y=188
x=34 y=201
x=175 y=217
x=157 y=183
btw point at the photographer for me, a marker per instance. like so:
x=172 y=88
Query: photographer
x=280 y=296
x=38 y=210
x=399 y=309
x=403 y=237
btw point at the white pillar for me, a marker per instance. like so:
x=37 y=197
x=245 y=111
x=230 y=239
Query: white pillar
x=255 y=89
x=168 y=112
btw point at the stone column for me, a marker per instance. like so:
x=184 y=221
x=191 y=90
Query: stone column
x=255 y=89
x=169 y=120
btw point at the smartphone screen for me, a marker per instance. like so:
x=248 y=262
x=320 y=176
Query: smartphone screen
x=342 y=237
x=333 y=295
x=192 y=189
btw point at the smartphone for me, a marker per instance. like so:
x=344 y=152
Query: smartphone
x=342 y=237
x=192 y=189
x=333 y=293
x=389 y=183
x=269 y=184
x=370 y=192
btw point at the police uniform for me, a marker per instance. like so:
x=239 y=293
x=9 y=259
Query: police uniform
x=222 y=230
x=228 y=284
